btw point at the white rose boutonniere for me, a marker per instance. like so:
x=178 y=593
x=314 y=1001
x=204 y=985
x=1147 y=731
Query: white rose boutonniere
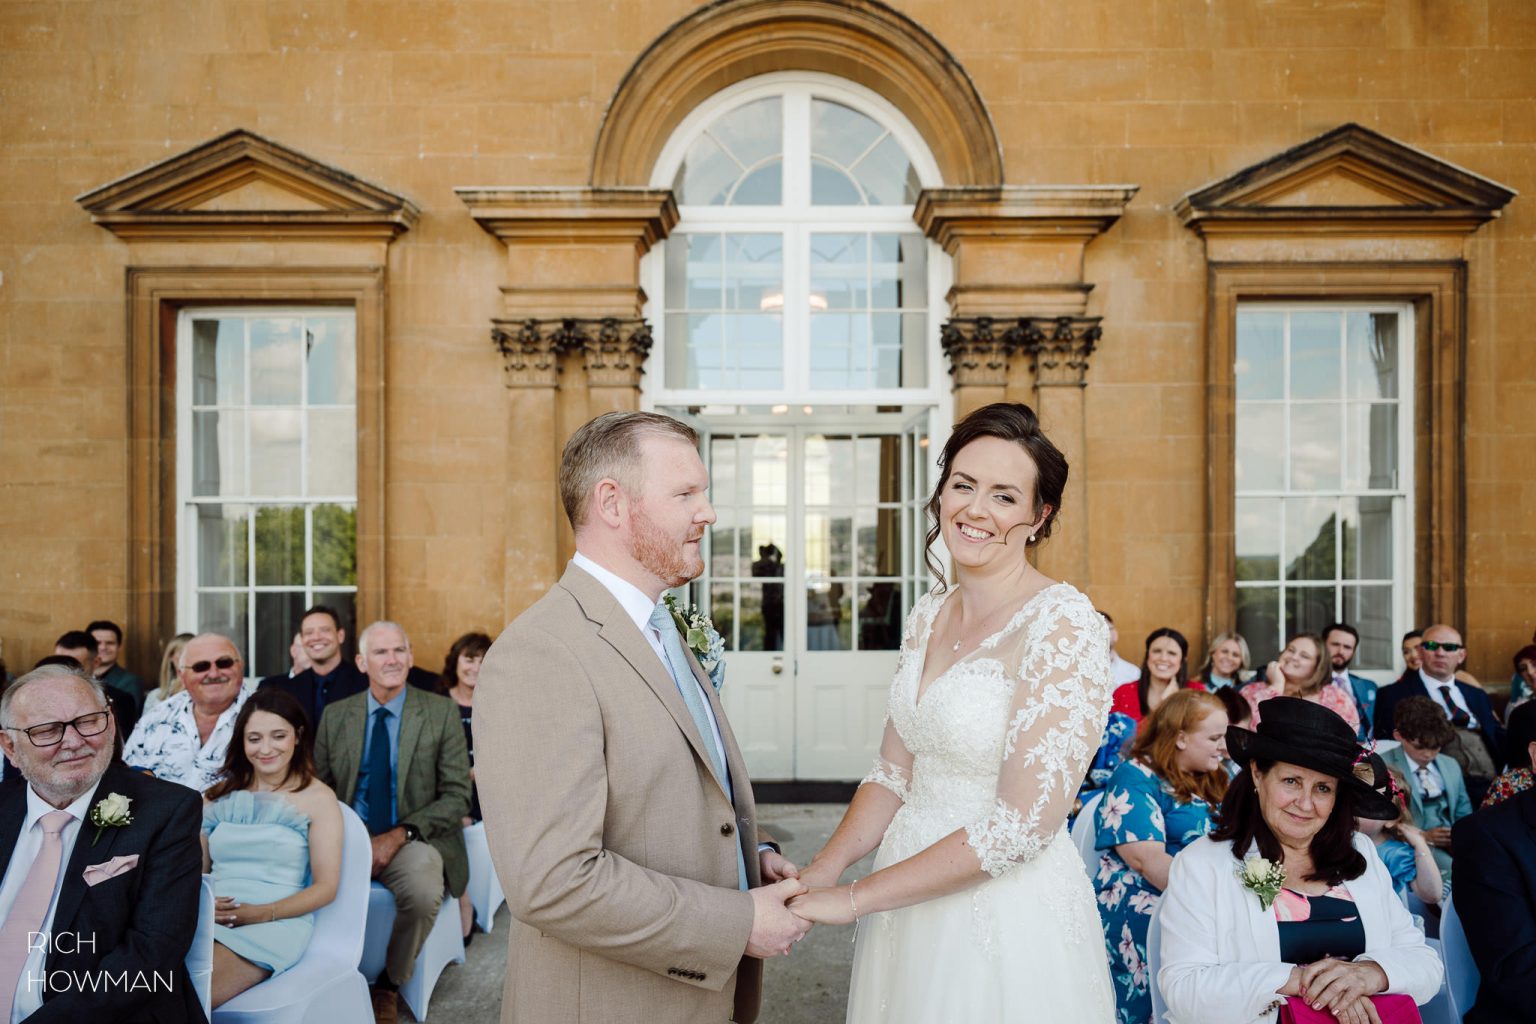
x=701 y=637
x=1262 y=878
x=111 y=811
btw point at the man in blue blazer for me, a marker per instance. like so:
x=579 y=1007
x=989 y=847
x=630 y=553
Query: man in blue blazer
x=1495 y=899
x=1341 y=639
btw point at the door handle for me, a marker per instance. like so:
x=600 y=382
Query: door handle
x=778 y=665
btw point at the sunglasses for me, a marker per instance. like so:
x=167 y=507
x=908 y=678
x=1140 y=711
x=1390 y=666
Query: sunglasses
x=226 y=663
x=1436 y=645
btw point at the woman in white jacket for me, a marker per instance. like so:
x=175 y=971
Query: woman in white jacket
x=1323 y=923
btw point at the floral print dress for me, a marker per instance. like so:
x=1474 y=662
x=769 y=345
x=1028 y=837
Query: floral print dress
x=1137 y=807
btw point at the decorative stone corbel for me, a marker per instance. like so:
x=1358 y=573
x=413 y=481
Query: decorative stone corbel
x=613 y=349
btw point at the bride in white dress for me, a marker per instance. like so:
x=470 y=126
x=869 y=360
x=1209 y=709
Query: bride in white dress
x=979 y=909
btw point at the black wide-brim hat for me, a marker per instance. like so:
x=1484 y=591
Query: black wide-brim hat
x=1302 y=733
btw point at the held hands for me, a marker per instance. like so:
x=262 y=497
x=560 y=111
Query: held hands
x=776 y=867
x=825 y=906
x=232 y=914
x=774 y=928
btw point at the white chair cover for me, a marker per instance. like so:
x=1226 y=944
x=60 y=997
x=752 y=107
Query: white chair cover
x=485 y=893
x=200 y=956
x=1460 y=969
x=444 y=945
x=1155 y=957
x=1083 y=829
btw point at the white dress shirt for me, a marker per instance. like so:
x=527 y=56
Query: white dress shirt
x=1122 y=671
x=638 y=606
x=29 y=987
x=166 y=742
x=1437 y=695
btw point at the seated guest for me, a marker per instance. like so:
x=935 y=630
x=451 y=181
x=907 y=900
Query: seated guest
x=81 y=646
x=1302 y=671
x=1403 y=848
x=123 y=892
x=1496 y=902
x=1238 y=940
x=1411 y=661
x=1226 y=662
x=1156 y=803
x=298 y=661
x=1522 y=685
x=1478 y=742
x=1437 y=793
x=1163 y=665
x=413 y=797
x=1520 y=741
x=184 y=738
x=169 y=675
x=1239 y=712
x=461 y=671
x=1119 y=731
x=272 y=837
x=109 y=647
x=329 y=677
x=1341 y=640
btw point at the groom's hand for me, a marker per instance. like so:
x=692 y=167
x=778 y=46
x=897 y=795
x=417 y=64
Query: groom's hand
x=774 y=928
x=776 y=867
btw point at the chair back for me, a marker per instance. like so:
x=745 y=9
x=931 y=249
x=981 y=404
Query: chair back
x=1083 y=830
x=1460 y=969
x=339 y=924
x=200 y=956
x=1154 y=958
x=1382 y=746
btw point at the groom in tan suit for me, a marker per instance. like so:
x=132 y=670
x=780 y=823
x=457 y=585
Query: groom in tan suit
x=618 y=807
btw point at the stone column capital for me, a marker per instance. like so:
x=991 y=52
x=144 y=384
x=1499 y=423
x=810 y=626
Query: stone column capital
x=530 y=351
x=612 y=349
x=978 y=348
x=1058 y=349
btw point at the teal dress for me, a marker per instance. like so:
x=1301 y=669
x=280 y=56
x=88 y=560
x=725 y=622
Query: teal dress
x=1137 y=807
x=259 y=845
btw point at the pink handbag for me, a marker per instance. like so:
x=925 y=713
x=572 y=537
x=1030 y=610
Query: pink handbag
x=1394 y=1009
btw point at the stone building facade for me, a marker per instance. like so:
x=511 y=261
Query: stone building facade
x=300 y=301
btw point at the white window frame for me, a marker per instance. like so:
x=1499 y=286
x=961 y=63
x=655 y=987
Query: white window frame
x=794 y=222
x=187 y=587
x=1402 y=496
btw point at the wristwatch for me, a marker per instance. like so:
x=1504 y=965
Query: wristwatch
x=412 y=833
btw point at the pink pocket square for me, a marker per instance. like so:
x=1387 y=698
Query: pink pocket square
x=95 y=874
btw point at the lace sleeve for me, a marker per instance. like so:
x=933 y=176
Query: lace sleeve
x=1060 y=704
x=892 y=776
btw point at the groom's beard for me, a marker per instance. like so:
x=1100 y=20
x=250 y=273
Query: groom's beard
x=661 y=555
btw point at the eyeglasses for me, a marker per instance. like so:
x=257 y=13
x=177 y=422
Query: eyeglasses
x=1437 y=645
x=51 y=734
x=200 y=667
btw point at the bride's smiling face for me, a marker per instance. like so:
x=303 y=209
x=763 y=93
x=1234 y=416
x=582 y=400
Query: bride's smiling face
x=987 y=510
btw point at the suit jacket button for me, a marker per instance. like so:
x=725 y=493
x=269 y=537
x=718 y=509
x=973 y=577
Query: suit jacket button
x=727 y=829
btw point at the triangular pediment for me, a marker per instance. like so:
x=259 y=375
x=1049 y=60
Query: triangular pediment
x=242 y=185
x=1350 y=172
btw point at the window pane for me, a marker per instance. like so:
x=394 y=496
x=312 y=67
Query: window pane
x=832 y=186
x=218 y=453
x=275 y=452
x=768 y=530
x=218 y=362
x=840 y=134
x=752 y=132
x=1260 y=355
x=765 y=474
x=880 y=614
x=1367 y=529
x=720 y=164
x=828 y=618
x=280 y=546
x=1258 y=538
x=344 y=602
x=707 y=174
x=277 y=360
x=1314 y=361
x=885 y=350
x=839 y=542
x=755 y=349
x=1258 y=619
x=277 y=619
x=1260 y=455
x=722 y=470
x=829 y=470
x=887 y=175
x=839 y=349
x=839 y=271
x=332 y=346
x=898 y=271
x=754 y=272
x=914 y=350
x=332 y=456
x=1315 y=432
x=1370 y=446
x=1369 y=609
x=879 y=541
x=226 y=615
x=723 y=556
x=762 y=186
x=763 y=603
x=1309 y=538
x=693 y=350
x=334 y=545
x=818 y=544
x=1372 y=355
x=222 y=550
x=722 y=611
x=1309 y=610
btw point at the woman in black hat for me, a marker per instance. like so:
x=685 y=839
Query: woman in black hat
x=1284 y=898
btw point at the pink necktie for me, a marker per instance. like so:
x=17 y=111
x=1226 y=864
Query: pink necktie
x=29 y=910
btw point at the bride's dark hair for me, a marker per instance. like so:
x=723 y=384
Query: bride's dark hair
x=1009 y=421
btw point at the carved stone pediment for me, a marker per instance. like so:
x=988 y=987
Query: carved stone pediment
x=240 y=186
x=1348 y=181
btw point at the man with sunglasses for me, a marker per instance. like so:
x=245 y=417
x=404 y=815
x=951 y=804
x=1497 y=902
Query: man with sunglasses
x=183 y=738
x=97 y=917
x=1478 y=745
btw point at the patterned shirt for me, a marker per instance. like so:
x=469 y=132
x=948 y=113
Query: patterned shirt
x=1332 y=696
x=1516 y=780
x=166 y=742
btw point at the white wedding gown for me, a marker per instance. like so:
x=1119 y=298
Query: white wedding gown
x=997 y=746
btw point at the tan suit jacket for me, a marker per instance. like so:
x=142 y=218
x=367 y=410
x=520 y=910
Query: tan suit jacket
x=613 y=839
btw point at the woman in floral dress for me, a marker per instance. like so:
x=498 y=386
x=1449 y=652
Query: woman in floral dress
x=1156 y=803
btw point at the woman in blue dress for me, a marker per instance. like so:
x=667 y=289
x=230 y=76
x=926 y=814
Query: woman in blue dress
x=272 y=840
x=1155 y=803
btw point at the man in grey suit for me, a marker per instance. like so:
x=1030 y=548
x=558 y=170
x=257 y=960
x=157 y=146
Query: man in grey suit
x=616 y=800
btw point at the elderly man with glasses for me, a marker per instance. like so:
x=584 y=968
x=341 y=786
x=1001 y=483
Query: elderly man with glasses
x=99 y=866
x=183 y=738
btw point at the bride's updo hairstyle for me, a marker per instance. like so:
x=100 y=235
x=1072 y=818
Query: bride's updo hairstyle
x=1009 y=421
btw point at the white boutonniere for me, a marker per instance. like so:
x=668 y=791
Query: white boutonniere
x=111 y=811
x=701 y=637
x=1262 y=878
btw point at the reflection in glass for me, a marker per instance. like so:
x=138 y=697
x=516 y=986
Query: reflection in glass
x=1309 y=610
x=345 y=604
x=1260 y=355
x=333 y=542
x=276 y=466
x=770 y=596
x=828 y=617
x=829 y=461
x=218 y=453
x=880 y=614
x=818 y=545
x=839 y=543
x=332 y=347
x=1370 y=446
x=277 y=360
x=1369 y=609
x=1258 y=620
x=1367 y=534
x=1371 y=354
x=833 y=186
x=227 y=615
x=1315 y=433
x=722 y=470
x=221 y=545
x=280 y=546
x=754 y=272
x=722 y=611
x=720 y=165
x=1309 y=538
x=332 y=457
x=1260 y=456
x=277 y=618
x=218 y=362
x=1258 y=538
x=840 y=270
x=769 y=467
x=1314 y=363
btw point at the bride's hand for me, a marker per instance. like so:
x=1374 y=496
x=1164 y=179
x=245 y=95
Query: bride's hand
x=819 y=874
x=824 y=906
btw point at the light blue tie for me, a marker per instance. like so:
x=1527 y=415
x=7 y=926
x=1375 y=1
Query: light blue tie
x=676 y=661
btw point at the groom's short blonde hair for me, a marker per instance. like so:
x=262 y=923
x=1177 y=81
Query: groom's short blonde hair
x=608 y=447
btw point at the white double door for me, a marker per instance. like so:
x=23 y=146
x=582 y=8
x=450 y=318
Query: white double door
x=810 y=569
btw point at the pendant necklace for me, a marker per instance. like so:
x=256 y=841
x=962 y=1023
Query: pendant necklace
x=955 y=647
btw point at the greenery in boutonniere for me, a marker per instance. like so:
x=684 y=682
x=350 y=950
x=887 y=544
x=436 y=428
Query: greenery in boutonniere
x=701 y=637
x=111 y=811
x=1262 y=878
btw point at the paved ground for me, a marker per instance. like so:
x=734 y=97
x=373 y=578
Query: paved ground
x=809 y=987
